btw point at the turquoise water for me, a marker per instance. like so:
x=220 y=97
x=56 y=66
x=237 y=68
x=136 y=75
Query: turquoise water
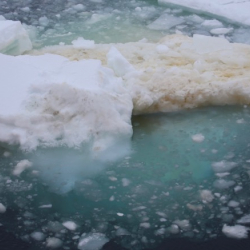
x=137 y=199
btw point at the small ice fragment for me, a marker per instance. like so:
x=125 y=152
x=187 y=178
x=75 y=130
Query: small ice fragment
x=212 y=23
x=92 y=241
x=6 y=154
x=221 y=31
x=173 y=229
x=198 y=138
x=46 y=206
x=25 y=9
x=233 y=203
x=43 y=21
x=70 y=225
x=125 y=182
x=39 y=236
x=240 y=121
x=223 y=166
x=112 y=178
x=183 y=224
x=21 y=166
x=53 y=242
x=81 y=43
x=120 y=214
x=2 y=208
x=237 y=231
x=223 y=184
x=112 y=198
x=145 y=225
x=244 y=220
x=206 y=196
x=237 y=188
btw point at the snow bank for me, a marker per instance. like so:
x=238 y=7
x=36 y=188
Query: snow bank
x=232 y=10
x=192 y=72
x=50 y=101
x=14 y=39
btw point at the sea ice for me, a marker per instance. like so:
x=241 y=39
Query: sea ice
x=53 y=242
x=223 y=166
x=71 y=225
x=234 y=11
x=14 y=38
x=237 y=231
x=2 y=208
x=92 y=241
x=165 y=22
x=21 y=166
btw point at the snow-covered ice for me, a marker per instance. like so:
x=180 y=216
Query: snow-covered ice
x=232 y=10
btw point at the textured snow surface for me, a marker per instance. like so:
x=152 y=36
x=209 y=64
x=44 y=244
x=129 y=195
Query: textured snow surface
x=232 y=10
x=69 y=99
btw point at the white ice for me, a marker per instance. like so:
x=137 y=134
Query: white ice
x=237 y=231
x=232 y=10
x=14 y=38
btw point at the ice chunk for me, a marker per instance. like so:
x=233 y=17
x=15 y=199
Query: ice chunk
x=118 y=62
x=2 y=208
x=60 y=102
x=92 y=241
x=81 y=43
x=165 y=22
x=21 y=166
x=244 y=220
x=198 y=138
x=39 y=236
x=235 y=11
x=237 y=231
x=183 y=224
x=223 y=166
x=71 y=225
x=53 y=242
x=43 y=21
x=205 y=44
x=233 y=203
x=221 y=31
x=212 y=24
x=13 y=38
x=223 y=184
x=206 y=196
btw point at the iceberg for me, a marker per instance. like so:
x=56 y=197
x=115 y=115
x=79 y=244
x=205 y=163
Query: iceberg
x=232 y=10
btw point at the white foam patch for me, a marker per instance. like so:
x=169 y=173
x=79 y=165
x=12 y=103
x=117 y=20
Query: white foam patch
x=237 y=231
x=233 y=10
x=13 y=39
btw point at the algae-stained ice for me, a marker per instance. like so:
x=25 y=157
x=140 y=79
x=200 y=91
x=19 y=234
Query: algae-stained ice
x=124 y=124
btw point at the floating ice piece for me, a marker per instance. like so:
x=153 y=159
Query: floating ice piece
x=198 y=138
x=60 y=102
x=21 y=166
x=223 y=166
x=14 y=38
x=39 y=236
x=183 y=224
x=174 y=229
x=145 y=225
x=118 y=62
x=46 y=206
x=92 y=241
x=237 y=231
x=71 y=225
x=233 y=203
x=43 y=21
x=244 y=220
x=212 y=23
x=223 y=184
x=206 y=196
x=53 y=242
x=232 y=10
x=165 y=22
x=221 y=31
x=81 y=43
x=2 y=208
